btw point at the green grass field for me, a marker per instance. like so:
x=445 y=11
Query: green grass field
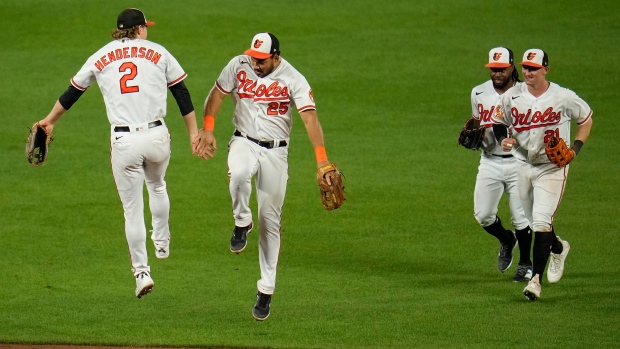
x=403 y=264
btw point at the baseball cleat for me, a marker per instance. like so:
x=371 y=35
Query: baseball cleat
x=162 y=251
x=239 y=238
x=533 y=289
x=162 y=247
x=523 y=273
x=504 y=257
x=556 y=263
x=144 y=284
x=261 y=308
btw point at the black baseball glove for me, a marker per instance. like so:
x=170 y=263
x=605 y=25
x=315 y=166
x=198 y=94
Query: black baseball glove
x=471 y=136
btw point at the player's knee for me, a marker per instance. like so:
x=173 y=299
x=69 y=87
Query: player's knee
x=485 y=218
x=540 y=226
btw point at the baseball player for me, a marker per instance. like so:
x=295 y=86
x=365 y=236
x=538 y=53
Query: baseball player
x=265 y=90
x=538 y=111
x=134 y=75
x=497 y=172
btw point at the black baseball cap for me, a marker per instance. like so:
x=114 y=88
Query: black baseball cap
x=130 y=18
x=263 y=46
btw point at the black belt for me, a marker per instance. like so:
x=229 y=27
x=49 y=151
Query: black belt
x=503 y=156
x=264 y=144
x=127 y=129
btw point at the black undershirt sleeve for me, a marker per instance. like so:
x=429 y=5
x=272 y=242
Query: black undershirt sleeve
x=500 y=132
x=181 y=95
x=70 y=96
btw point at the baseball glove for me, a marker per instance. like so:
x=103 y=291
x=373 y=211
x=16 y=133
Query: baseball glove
x=471 y=136
x=37 y=144
x=558 y=153
x=332 y=194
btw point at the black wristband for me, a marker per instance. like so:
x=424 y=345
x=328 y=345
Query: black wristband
x=577 y=146
x=500 y=132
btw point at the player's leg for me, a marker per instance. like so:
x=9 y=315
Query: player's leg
x=519 y=221
x=548 y=191
x=271 y=182
x=242 y=166
x=157 y=157
x=487 y=194
x=129 y=177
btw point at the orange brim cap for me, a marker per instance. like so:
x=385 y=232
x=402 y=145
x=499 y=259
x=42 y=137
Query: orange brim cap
x=257 y=54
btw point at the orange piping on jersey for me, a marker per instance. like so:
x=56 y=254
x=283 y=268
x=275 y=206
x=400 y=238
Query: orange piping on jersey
x=219 y=87
x=78 y=86
x=306 y=107
x=177 y=80
x=586 y=120
x=246 y=95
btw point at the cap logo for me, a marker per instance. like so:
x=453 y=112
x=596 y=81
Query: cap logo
x=257 y=43
x=497 y=56
x=531 y=55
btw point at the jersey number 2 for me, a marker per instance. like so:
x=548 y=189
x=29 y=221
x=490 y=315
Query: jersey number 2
x=133 y=71
x=551 y=133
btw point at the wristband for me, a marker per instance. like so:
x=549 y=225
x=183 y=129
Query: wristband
x=209 y=122
x=577 y=146
x=320 y=153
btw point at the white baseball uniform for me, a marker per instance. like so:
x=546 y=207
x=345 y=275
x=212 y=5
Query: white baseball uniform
x=497 y=172
x=534 y=121
x=263 y=112
x=134 y=76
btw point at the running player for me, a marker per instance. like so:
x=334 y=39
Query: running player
x=497 y=172
x=539 y=110
x=265 y=89
x=133 y=75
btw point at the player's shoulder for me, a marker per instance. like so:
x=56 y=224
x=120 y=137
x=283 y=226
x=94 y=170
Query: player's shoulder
x=516 y=90
x=240 y=61
x=286 y=69
x=557 y=89
x=483 y=89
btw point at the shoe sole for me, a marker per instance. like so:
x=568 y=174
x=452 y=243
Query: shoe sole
x=146 y=290
x=162 y=257
x=244 y=246
x=260 y=318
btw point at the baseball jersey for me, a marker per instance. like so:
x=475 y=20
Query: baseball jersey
x=484 y=100
x=536 y=119
x=263 y=106
x=134 y=76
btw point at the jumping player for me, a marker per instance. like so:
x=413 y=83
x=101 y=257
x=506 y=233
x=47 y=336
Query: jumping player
x=265 y=89
x=133 y=75
x=497 y=172
x=539 y=110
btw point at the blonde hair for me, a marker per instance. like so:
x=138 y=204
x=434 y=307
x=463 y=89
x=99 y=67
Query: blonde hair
x=130 y=33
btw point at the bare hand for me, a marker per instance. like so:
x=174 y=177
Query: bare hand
x=508 y=143
x=205 y=145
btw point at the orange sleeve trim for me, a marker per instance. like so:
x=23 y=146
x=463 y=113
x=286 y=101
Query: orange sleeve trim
x=209 y=122
x=320 y=153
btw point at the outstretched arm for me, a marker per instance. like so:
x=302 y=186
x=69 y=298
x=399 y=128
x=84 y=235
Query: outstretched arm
x=207 y=146
x=315 y=133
